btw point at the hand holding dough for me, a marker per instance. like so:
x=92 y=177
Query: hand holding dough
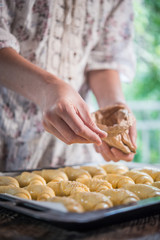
x=8 y=181
x=120 y=196
x=15 y=191
x=116 y=180
x=71 y=204
x=40 y=192
x=96 y=185
x=116 y=120
x=66 y=188
x=139 y=177
x=92 y=200
x=27 y=178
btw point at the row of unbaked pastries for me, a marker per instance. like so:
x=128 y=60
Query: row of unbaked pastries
x=85 y=188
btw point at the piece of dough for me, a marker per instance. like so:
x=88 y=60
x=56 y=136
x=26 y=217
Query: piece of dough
x=96 y=185
x=15 y=191
x=40 y=192
x=92 y=200
x=153 y=172
x=139 y=177
x=54 y=175
x=120 y=196
x=115 y=168
x=156 y=184
x=66 y=188
x=143 y=191
x=27 y=178
x=71 y=204
x=94 y=170
x=116 y=121
x=8 y=181
x=116 y=180
x=74 y=173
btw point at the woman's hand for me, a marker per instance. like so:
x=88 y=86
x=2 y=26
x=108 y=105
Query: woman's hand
x=111 y=153
x=106 y=86
x=66 y=115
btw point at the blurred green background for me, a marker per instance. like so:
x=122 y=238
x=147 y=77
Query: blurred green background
x=143 y=94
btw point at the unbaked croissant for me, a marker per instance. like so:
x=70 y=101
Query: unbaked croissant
x=94 y=170
x=139 y=177
x=16 y=191
x=8 y=181
x=96 y=185
x=27 y=178
x=115 y=168
x=92 y=200
x=143 y=191
x=116 y=180
x=120 y=196
x=71 y=204
x=74 y=173
x=40 y=192
x=66 y=188
x=156 y=184
x=153 y=172
x=54 y=175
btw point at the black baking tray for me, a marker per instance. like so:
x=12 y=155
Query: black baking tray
x=81 y=221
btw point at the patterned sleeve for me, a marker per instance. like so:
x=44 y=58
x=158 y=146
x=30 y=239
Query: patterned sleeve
x=7 y=39
x=115 y=46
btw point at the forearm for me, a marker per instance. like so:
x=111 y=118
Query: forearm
x=21 y=76
x=106 y=87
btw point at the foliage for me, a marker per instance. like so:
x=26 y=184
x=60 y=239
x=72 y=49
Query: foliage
x=146 y=84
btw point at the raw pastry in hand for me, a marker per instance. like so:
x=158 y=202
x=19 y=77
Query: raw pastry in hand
x=116 y=120
x=8 y=181
x=66 y=188
x=120 y=196
x=96 y=185
x=92 y=200
x=116 y=180
x=115 y=168
x=71 y=204
x=27 y=178
x=40 y=192
x=143 y=191
x=54 y=175
x=15 y=191
x=139 y=177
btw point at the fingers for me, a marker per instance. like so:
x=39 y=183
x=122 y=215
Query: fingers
x=113 y=153
x=70 y=116
x=63 y=132
x=122 y=156
x=133 y=134
x=87 y=119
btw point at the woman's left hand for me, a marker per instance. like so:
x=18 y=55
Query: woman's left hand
x=111 y=153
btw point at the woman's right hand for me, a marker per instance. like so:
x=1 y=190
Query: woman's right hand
x=66 y=115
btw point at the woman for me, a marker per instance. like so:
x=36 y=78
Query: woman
x=51 y=51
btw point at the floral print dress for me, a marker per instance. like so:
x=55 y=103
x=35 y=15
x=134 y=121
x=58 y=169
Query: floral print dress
x=66 y=38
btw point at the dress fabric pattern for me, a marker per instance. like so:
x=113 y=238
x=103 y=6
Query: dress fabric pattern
x=67 y=38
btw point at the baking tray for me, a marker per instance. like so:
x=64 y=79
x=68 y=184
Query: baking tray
x=57 y=214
